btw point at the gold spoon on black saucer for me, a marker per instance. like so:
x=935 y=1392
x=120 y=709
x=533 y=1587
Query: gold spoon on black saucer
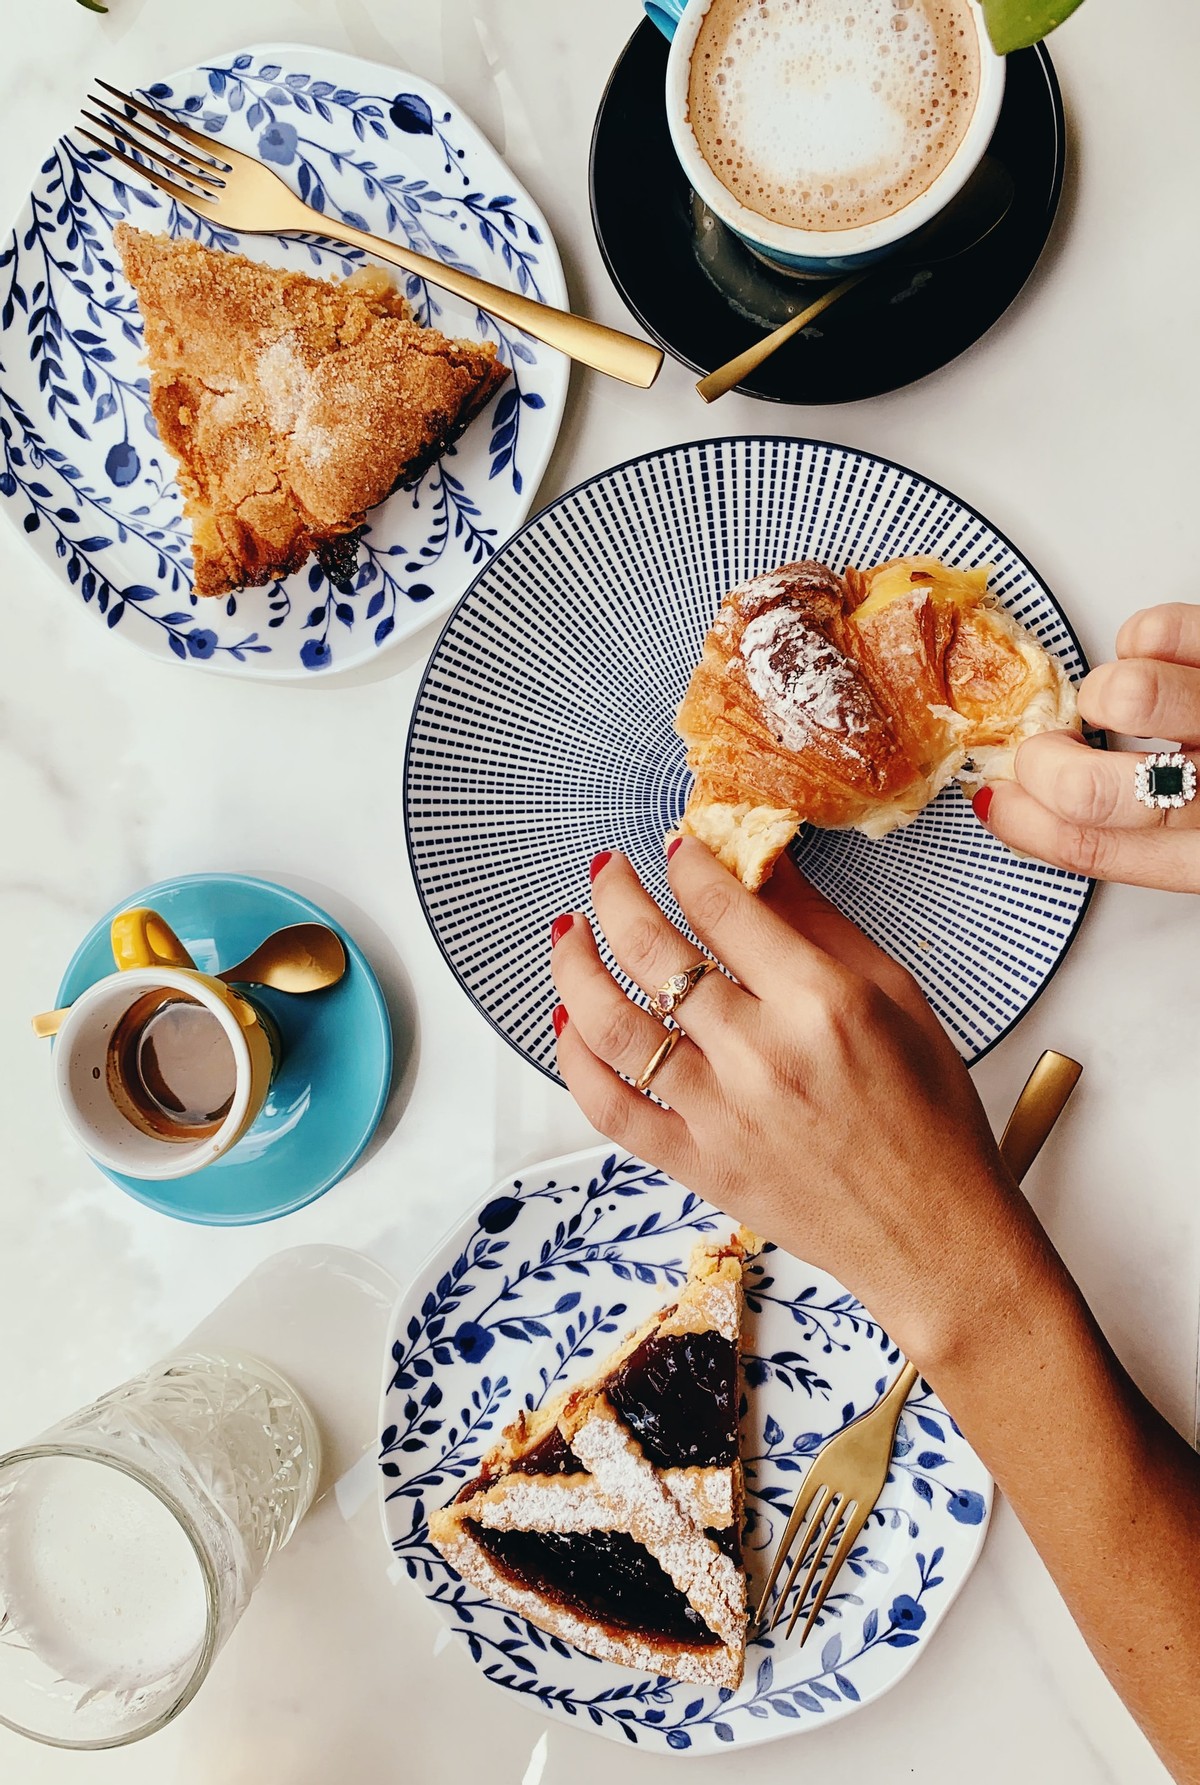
x=980 y=207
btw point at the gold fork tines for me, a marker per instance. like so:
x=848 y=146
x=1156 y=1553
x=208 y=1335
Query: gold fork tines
x=848 y=1472
x=212 y=150
x=836 y=1508
x=151 y=158
x=845 y=1479
x=241 y=194
x=177 y=160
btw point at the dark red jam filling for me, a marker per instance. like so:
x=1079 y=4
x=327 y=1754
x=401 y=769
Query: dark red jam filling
x=729 y=1540
x=551 y=1456
x=602 y=1575
x=678 y=1396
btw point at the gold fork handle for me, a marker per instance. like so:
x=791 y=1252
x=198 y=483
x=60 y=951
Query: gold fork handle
x=899 y=1392
x=592 y=343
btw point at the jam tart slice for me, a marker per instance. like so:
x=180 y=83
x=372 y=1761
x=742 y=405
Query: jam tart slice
x=611 y=1517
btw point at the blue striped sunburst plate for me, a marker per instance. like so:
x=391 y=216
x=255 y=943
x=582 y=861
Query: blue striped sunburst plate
x=543 y=731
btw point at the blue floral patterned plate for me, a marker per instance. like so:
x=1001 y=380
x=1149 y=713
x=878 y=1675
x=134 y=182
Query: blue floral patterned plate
x=530 y=1293
x=81 y=467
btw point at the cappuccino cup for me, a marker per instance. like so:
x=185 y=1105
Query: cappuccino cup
x=823 y=133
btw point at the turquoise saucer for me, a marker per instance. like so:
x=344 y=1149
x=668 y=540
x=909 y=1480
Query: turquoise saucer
x=336 y=1065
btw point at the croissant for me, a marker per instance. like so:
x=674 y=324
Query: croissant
x=850 y=701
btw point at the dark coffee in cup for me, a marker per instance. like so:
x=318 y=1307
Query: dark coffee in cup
x=171 y=1070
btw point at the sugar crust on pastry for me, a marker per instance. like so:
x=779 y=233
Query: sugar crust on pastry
x=292 y=405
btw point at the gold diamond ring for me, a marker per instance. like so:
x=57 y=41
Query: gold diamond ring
x=672 y=992
x=658 y=1060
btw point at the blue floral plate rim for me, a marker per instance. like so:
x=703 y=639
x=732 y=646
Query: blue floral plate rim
x=701 y=442
x=134 y=575
x=247 y=1187
x=423 y=1457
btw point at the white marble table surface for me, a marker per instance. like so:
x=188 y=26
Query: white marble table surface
x=1072 y=425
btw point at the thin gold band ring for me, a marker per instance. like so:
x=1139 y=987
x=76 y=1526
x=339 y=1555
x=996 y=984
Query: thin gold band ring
x=658 y=1060
x=672 y=992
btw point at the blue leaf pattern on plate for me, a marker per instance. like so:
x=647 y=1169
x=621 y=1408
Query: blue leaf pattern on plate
x=80 y=462
x=528 y=1295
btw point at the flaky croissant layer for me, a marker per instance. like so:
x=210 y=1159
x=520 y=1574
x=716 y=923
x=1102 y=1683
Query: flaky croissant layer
x=850 y=701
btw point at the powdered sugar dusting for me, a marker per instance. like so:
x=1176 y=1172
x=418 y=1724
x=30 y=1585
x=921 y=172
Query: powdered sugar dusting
x=519 y=1502
x=707 y=1307
x=801 y=680
x=705 y=1495
x=314 y=443
x=283 y=379
x=547 y=1503
x=766 y=587
x=713 y=1583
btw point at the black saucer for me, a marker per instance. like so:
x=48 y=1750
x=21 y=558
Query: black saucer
x=904 y=321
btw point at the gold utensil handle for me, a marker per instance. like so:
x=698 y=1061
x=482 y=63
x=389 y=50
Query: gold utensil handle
x=50 y=1022
x=733 y=371
x=606 y=349
x=1037 y=1109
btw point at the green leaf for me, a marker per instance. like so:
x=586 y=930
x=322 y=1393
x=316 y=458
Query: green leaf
x=93 y=5
x=1016 y=24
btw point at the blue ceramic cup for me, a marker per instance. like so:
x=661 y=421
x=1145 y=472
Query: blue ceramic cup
x=818 y=253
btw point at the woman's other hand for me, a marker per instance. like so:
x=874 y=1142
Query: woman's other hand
x=1074 y=806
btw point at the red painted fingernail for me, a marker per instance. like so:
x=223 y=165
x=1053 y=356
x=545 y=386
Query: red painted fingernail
x=672 y=846
x=560 y=1018
x=559 y=928
x=982 y=803
x=599 y=863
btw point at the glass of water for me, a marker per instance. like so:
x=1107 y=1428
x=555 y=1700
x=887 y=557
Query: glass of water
x=132 y=1535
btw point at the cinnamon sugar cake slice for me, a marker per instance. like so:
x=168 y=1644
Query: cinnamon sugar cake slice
x=292 y=404
x=611 y=1517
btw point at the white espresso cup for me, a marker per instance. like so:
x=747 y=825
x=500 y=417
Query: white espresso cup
x=83 y=1072
x=819 y=253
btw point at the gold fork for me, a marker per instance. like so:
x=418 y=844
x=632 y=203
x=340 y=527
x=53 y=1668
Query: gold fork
x=238 y=193
x=848 y=1473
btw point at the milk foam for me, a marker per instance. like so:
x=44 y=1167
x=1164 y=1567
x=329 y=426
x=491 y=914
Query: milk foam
x=827 y=114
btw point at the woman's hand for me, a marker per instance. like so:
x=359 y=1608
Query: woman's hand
x=817 y=1099
x=1075 y=806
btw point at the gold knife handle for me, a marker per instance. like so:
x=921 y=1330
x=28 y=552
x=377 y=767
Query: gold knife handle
x=1037 y=1109
x=592 y=343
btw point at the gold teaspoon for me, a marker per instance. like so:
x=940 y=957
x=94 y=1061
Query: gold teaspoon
x=980 y=207
x=302 y=957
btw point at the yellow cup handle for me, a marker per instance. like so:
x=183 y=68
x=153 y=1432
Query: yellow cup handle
x=141 y=938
